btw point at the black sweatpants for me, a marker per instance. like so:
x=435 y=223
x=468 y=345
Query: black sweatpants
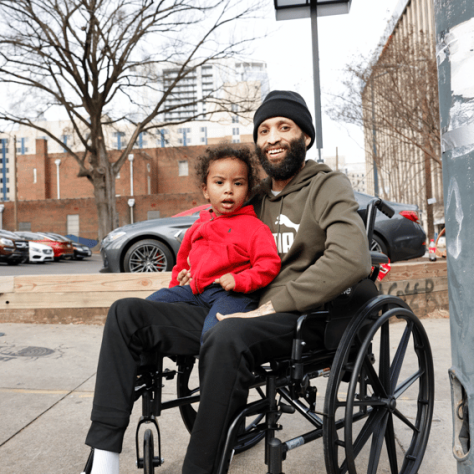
x=229 y=352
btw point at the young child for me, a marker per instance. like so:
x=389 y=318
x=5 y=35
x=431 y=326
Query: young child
x=228 y=253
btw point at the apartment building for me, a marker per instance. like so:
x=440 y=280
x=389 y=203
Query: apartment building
x=403 y=157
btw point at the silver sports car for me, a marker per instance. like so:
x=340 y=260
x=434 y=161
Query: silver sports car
x=152 y=246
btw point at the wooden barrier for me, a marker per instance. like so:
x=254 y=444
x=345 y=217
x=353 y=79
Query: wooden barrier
x=423 y=285
x=65 y=299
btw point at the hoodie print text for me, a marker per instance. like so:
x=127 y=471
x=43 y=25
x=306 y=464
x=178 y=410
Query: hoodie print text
x=284 y=240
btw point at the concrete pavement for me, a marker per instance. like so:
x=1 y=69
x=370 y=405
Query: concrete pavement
x=47 y=376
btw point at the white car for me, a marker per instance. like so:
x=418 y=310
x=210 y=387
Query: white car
x=40 y=252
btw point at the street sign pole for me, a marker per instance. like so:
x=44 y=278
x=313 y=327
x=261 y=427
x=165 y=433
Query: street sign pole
x=455 y=55
x=316 y=79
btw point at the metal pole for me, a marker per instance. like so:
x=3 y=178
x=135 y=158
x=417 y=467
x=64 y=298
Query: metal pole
x=374 y=144
x=316 y=79
x=455 y=57
x=58 y=162
x=15 y=194
x=4 y=168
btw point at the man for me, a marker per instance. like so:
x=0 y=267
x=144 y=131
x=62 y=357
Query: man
x=321 y=240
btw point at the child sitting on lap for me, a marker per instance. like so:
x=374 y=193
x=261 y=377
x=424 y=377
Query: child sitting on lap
x=228 y=253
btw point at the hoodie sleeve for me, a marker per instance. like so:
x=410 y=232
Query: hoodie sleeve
x=264 y=260
x=345 y=259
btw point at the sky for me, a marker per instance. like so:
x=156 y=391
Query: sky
x=288 y=53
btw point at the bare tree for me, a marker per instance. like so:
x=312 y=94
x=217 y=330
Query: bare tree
x=394 y=98
x=102 y=62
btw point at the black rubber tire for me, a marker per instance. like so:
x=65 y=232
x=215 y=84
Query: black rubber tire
x=378 y=245
x=148 y=255
x=148 y=453
x=363 y=415
x=246 y=440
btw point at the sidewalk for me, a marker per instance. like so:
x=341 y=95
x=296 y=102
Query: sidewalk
x=46 y=387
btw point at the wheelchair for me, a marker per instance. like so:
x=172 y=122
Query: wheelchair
x=379 y=387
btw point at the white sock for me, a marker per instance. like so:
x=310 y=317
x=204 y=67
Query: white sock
x=105 y=462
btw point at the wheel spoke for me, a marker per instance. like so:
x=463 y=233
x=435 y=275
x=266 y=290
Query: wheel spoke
x=374 y=380
x=384 y=364
x=372 y=423
x=391 y=448
x=405 y=420
x=139 y=254
x=406 y=384
x=399 y=357
x=377 y=443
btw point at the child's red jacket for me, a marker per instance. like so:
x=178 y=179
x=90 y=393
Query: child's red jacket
x=237 y=243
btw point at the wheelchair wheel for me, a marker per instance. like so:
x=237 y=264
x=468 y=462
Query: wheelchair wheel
x=247 y=438
x=148 y=453
x=380 y=392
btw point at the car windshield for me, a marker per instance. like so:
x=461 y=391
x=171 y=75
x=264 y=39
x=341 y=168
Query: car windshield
x=30 y=236
x=7 y=233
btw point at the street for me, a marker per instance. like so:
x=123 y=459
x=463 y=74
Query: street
x=64 y=267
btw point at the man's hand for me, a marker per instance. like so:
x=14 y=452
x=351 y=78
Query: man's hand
x=184 y=277
x=265 y=309
x=227 y=281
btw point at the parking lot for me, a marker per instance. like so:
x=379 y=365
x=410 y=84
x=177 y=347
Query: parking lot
x=64 y=267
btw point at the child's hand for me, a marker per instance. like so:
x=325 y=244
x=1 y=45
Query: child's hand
x=184 y=277
x=227 y=281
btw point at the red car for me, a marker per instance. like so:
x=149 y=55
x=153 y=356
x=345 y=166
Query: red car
x=60 y=248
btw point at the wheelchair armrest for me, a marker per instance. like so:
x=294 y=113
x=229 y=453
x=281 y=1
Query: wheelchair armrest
x=378 y=258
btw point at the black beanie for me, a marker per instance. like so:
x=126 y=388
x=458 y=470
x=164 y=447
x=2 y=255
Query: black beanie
x=286 y=104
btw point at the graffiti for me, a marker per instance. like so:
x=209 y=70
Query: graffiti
x=411 y=291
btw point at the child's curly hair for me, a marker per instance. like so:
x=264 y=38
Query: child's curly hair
x=226 y=150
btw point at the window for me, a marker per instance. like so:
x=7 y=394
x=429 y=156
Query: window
x=24 y=226
x=234 y=107
x=183 y=168
x=23 y=148
x=120 y=141
x=235 y=131
x=34 y=175
x=65 y=139
x=235 y=119
x=235 y=140
x=153 y=215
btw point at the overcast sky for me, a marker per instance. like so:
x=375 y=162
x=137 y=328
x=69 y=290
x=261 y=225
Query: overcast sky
x=287 y=51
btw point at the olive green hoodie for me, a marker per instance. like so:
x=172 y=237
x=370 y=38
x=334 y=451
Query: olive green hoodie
x=320 y=238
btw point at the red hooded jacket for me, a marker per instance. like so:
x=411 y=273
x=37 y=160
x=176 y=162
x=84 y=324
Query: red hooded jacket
x=237 y=243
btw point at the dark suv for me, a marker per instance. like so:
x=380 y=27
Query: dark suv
x=21 y=252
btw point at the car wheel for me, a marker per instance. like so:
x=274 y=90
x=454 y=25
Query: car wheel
x=13 y=262
x=378 y=245
x=148 y=256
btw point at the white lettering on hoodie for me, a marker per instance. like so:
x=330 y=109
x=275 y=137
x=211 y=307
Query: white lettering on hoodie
x=284 y=240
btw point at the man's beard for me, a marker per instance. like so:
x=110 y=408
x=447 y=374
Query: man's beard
x=291 y=164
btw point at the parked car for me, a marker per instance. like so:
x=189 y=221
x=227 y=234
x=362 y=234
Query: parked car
x=40 y=253
x=80 y=251
x=401 y=237
x=7 y=247
x=152 y=246
x=60 y=248
x=20 y=254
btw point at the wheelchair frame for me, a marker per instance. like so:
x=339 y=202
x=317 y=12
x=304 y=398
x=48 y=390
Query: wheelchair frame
x=371 y=396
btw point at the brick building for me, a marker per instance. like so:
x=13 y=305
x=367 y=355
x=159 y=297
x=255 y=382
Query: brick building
x=163 y=185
